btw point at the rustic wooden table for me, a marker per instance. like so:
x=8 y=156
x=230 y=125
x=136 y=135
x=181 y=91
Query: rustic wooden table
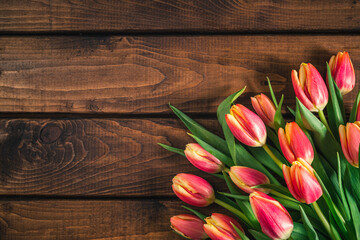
x=84 y=93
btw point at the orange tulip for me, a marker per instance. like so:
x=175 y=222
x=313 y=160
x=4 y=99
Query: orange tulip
x=265 y=108
x=350 y=141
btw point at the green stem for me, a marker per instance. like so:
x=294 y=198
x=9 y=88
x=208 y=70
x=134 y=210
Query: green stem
x=276 y=193
x=227 y=170
x=233 y=210
x=324 y=121
x=322 y=218
x=272 y=155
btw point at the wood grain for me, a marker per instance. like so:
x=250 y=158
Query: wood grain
x=93 y=157
x=113 y=74
x=79 y=219
x=172 y=15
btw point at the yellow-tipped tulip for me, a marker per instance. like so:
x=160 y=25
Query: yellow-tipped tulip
x=218 y=227
x=188 y=226
x=246 y=126
x=202 y=159
x=245 y=178
x=350 y=140
x=265 y=108
x=302 y=182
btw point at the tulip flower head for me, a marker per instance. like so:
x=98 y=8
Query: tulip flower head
x=246 y=126
x=202 y=159
x=193 y=190
x=245 y=178
x=218 y=227
x=294 y=143
x=265 y=108
x=350 y=141
x=342 y=71
x=274 y=219
x=310 y=87
x=188 y=226
x=302 y=182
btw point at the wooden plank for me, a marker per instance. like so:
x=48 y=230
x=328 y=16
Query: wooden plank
x=143 y=74
x=79 y=219
x=93 y=157
x=172 y=15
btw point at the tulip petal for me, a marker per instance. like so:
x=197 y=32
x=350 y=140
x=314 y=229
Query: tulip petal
x=188 y=226
x=316 y=87
x=299 y=92
x=285 y=147
x=353 y=136
x=245 y=178
x=239 y=132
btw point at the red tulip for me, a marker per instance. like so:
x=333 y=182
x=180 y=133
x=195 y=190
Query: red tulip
x=302 y=182
x=193 y=190
x=245 y=178
x=246 y=126
x=350 y=141
x=218 y=227
x=310 y=88
x=342 y=71
x=265 y=108
x=202 y=159
x=294 y=143
x=274 y=219
x=188 y=226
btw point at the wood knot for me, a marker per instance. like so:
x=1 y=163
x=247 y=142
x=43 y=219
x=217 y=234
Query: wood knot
x=50 y=133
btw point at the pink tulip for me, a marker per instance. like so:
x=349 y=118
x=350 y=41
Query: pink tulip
x=188 y=226
x=246 y=126
x=274 y=219
x=350 y=141
x=302 y=182
x=265 y=108
x=193 y=190
x=202 y=159
x=218 y=227
x=342 y=71
x=245 y=178
x=310 y=88
x=294 y=143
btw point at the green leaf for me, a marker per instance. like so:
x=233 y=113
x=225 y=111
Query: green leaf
x=292 y=111
x=279 y=188
x=172 y=149
x=278 y=118
x=354 y=109
x=261 y=155
x=342 y=193
x=298 y=118
x=216 y=153
x=273 y=137
x=354 y=209
x=198 y=130
x=272 y=93
x=236 y=196
x=335 y=233
x=223 y=109
x=259 y=235
x=200 y=215
x=241 y=234
x=334 y=108
x=311 y=233
x=299 y=232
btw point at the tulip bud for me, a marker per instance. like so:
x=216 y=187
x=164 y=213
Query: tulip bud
x=218 y=227
x=202 y=159
x=246 y=126
x=188 y=226
x=294 y=143
x=265 y=108
x=274 y=219
x=302 y=182
x=310 y=88
x=350 y=141
x=342 y=71
x=193 y=190
x=245 y=178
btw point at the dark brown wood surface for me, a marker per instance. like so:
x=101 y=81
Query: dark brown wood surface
x=84 y=93
x=173 y=15
x=112 y=74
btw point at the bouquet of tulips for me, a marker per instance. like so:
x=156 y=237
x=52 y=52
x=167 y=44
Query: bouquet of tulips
x=295 y=180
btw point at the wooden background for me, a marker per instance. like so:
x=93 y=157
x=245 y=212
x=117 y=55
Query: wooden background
x=84 y=93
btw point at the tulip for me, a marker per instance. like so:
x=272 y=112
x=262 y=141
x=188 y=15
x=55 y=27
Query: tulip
x=193 y=190
x=310 y=88
x=265 y=108
x=245 y=178
x=342 y=71
x=246 y=126
x=302 y=182
x=294 y=143
x=188 y=226
x=202 y=159
x=274 y=219
x=218 y=227
x=350 y=141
